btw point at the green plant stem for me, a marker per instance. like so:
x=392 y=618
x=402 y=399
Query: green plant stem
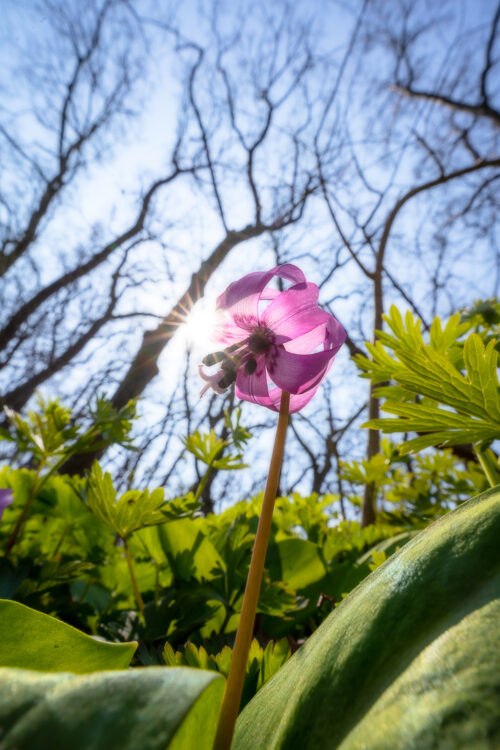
x=236 y=677
x=22 y=518
x=487 y=466
x=35 y=488
x=203 y=483
x=84 y=592
x=137 y=593
x=61 y=540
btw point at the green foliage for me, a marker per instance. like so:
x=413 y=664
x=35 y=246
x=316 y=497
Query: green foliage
x=91 y=558
x=134 y=509
x=239 y=434
x=207 y=448
x=44 y=433
x=32 y=640
x=409 y=659
x=190 y=571
x=157 y=709
x=262 y=663
x=415 y=490
x=49 y=434
x=484 y=317
x=446 y=389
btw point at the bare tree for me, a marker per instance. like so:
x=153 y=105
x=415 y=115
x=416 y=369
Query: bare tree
x=359 y=140
x=434 y=147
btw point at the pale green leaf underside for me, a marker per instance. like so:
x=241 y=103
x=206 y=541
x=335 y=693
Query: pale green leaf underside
x=151 y=708
x=410 y=659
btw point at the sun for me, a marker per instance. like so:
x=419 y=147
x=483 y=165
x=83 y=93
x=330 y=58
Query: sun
x=200 y=323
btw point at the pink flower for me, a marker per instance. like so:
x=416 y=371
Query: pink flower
x=288 y=345
x=6 y=499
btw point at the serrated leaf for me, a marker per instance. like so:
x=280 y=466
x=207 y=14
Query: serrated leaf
x=481 y=364
x=430 y=373
x=229 y=463
x=204 y=446
x=134 y=510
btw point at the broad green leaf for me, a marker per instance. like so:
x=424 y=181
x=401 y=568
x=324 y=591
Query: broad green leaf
x=346 y=575
x=33 y=640
x=297 y=562
x=152 y=708
x=189 y=552
x=410 y=659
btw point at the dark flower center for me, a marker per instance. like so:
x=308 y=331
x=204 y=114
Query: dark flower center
x=259 y=341
x=243 y=355
x=250 y=366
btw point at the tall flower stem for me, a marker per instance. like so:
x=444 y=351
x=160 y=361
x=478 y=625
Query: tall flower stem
x=236 y=676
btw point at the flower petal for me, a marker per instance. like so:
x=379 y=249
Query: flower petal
x=297 y=373
x=295 y=312
x=254 y=388
x=226 y=331
x=297 y=400
x=241 y=298
x=336 y=334
x=6 y=498
x=308 y=342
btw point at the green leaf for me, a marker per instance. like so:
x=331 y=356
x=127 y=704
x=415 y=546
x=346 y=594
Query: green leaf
x=208 y=448
x=204 y=446
x=152 y=708
x=275 y=655
x=33 y=640
x=297 y=562
x=474 y=397
x=481 y=364
x=410 y=659
x=261 y=665
x=46 y=432
x=427 y=375
x=431 y=374
x=239 y=435
x=134 y=509
x=189 y=552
